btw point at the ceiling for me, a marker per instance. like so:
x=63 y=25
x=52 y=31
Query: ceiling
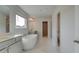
x=39 y=10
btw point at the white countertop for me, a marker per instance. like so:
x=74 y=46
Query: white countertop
x=7 y=36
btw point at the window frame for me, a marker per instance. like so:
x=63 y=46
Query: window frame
x=25 y=25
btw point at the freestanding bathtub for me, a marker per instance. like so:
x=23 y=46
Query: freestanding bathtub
x=29 y=41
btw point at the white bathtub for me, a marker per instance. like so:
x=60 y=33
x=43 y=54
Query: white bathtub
x=29 y=41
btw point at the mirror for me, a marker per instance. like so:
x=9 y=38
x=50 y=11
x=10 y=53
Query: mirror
x=4 y=19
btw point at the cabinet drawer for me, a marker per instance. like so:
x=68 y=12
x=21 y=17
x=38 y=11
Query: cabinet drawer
x=19 y=38
x=76 y=47
x=16 y=48
x=6 y=43
x=3 y=51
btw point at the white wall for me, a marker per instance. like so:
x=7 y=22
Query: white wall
x=2 y=23
x=37 y=25
x=67 y=28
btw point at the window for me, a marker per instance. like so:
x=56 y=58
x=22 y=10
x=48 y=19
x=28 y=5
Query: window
x=20 y=22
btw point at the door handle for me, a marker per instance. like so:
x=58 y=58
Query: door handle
x=76 y=41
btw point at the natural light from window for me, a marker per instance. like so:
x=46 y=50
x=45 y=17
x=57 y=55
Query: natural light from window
x=20 y=21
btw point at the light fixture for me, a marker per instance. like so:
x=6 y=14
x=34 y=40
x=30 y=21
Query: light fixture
x=32 y=19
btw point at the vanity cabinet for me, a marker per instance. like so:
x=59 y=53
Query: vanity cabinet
x=5 y=44
x=17 y=47
x=4 y=50
x=77 y=47
x=13 y=45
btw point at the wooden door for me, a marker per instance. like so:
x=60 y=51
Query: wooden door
x=7 y=24
x=58 y=29
x=45 y=28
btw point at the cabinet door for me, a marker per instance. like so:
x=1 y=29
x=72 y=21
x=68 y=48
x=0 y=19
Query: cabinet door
x=76 y=47
x=6 y=43
x=16 y=48
x=4 y=51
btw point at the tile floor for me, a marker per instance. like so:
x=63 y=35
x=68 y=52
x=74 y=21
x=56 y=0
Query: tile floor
x=44 y=45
